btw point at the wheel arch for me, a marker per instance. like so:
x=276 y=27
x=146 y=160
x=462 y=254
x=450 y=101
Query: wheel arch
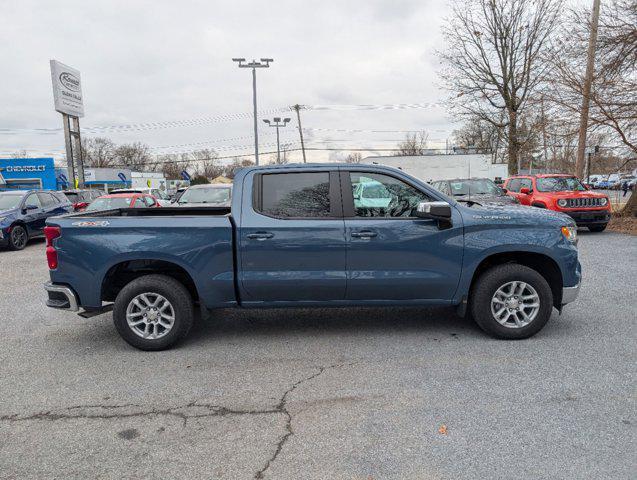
x=541 y=263
x=121 y=274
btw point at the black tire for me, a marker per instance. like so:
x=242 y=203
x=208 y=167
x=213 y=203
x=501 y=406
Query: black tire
x=18 y=238
x=597 y=228
x=490 y=281
x=180 y=301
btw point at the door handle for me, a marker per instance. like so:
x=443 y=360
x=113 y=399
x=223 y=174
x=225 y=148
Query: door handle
x=260 y=235
x=364 y=234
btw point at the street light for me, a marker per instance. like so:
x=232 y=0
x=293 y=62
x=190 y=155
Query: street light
x=277 y=124
x=263 y=63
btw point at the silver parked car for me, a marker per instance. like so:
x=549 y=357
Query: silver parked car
x=210 y=195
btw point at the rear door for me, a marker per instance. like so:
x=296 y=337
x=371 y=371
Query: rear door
x=392 y=254
x=292 y=237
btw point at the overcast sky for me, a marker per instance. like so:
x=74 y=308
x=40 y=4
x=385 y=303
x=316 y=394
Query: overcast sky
x=157 y=61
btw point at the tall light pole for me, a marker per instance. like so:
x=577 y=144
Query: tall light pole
x=276 y=122
x=264 y=63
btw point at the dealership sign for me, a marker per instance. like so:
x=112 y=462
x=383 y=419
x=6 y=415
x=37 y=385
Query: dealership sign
x=67 y=89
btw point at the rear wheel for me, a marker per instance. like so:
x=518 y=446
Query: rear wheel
x=597 y=228
x=153 y=312
x=18 y=238
x=511 y=301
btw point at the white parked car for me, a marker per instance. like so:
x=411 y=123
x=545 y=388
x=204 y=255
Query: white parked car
x=209 y=195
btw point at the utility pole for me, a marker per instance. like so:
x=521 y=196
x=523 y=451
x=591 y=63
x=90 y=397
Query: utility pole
x=276 y=122
x=298 y=107
x=264 y=63
x=586 y=93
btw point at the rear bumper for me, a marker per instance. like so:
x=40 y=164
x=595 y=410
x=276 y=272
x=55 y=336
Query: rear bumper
x=589 y=217
x=569 y=294
x=61 y=297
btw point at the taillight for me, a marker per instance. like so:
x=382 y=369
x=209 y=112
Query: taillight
x=51 y=233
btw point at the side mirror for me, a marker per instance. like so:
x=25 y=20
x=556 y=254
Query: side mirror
x=504 y=190
x=31 y=207
x=525 y=191
x=434 y=210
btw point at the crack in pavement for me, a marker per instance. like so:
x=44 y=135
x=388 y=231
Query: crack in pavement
x=282 y=408
x=105 y=412
x=183 y=412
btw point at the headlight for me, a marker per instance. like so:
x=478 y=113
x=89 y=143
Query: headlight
x=562 y=202
x=570 y=234
x=602 y=202
x=2 y=219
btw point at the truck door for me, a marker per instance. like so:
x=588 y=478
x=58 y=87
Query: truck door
x=391 y=254
x=292 y=238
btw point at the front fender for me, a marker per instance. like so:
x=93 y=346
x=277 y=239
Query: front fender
x=482 y=242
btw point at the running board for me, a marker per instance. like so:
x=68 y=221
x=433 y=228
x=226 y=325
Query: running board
x=95 y=312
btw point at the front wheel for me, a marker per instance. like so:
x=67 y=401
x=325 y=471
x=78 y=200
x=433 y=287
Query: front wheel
x=18 y=238
x=597 y=228
x=511 y=301
x=153 y=312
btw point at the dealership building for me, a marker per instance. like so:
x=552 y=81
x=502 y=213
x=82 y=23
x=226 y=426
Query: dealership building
x=40 y=173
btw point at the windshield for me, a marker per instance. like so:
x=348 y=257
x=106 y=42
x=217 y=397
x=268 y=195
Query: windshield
x=480 y=186
x=108 y=203
x=559 y=184
x=206 y=195
x=9 y=201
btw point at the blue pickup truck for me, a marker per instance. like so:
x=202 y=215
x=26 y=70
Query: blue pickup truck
x=300 y=236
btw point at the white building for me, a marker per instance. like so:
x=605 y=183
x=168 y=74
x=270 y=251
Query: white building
x=445 y=167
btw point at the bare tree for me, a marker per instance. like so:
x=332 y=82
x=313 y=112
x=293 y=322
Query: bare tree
x=493 y=60
x=135 y=156
x=415 y=144
x=613 y=98
x=237 y=165
x=98 y=152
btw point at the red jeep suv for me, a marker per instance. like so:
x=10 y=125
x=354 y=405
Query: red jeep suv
x=562 y=193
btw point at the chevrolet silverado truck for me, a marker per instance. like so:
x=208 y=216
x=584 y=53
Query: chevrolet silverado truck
x=302 y=236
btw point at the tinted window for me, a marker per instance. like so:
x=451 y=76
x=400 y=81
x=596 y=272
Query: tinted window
x=72 y=196
x=60 y=197
x=378 y=195
x=291 y=195
x=47 y=199
x=150 y=201
x=514 y=185
x=33 y=200
x=526 y=183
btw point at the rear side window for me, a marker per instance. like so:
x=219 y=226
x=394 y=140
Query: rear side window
x=46 y=199
x=295 y=195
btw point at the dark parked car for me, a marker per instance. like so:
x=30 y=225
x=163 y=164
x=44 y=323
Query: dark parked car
x=480 y=190
x=24 y=212
x=81 y=198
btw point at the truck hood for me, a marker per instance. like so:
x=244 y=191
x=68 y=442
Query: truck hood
x=490 y=199
x=500 y=215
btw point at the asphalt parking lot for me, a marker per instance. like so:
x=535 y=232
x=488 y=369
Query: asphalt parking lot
x=329 y=394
